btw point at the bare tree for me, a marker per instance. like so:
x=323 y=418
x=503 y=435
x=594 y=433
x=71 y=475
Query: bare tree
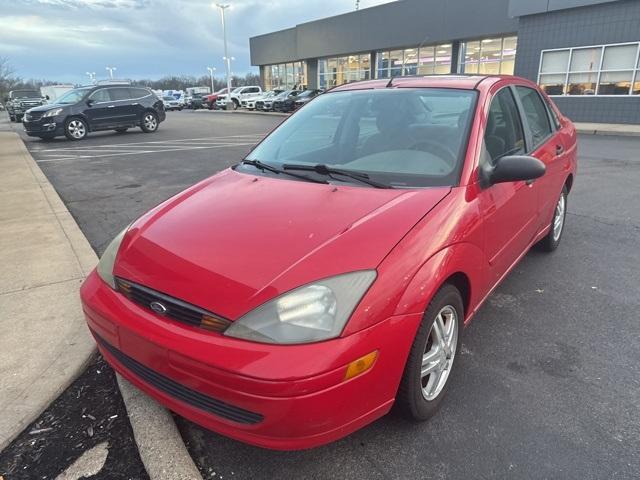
x=6 y=76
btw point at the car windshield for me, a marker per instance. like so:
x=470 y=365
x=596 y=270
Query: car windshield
x=237 y=90
x=401 y=137
x=25 y=94
x=171 y=99
x=306 y=93
x=72 y=96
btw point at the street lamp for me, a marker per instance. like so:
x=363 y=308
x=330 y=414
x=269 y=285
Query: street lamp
x=92 y=76
x=222 y=8
x=211 y=70
x=110 y=69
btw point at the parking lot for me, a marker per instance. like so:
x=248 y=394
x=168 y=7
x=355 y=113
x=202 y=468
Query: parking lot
x=548 y=384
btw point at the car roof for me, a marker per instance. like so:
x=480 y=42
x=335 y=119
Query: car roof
x=465 y=82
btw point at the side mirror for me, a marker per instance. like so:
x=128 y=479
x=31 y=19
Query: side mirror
x=514 y=168
x=47 y=97
x=90 y=102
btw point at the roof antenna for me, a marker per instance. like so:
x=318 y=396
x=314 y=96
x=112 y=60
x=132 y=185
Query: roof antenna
x=390 y=84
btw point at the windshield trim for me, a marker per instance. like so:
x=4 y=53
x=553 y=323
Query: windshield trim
x=456 y=174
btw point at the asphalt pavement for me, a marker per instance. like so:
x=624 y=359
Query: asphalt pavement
x=548 y=383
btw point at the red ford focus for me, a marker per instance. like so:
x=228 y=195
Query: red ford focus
x=297 y=296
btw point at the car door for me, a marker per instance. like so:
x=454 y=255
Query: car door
x=140 y=98
x=100 y=109
x=125 y=111
x=509 y=209
x=547 y=146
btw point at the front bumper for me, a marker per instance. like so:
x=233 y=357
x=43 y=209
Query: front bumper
x=44 y=126
x=297 y=393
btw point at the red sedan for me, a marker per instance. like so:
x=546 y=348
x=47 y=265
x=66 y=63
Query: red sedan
x=294 y=298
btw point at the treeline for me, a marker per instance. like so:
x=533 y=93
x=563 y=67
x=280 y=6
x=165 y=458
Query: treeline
x=181 y=82
x=9 y=81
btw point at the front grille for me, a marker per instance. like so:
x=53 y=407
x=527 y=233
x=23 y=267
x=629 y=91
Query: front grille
x=170 y=307
x=34 y=116
x=180 y=392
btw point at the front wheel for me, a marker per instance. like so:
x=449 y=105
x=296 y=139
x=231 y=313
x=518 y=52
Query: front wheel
x=552 y=240
x=235 y=105
x=426 y=374
x=12 y=118
x=75 y=129
x=149 y=122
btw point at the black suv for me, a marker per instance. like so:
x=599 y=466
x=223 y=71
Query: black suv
x=89 y=109
x=19 y=101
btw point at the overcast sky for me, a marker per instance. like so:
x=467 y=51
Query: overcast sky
x=62 y=39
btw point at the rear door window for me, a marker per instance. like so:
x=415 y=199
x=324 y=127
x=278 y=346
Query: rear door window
x=536 y=114
x=100 y=96
x=119 y=93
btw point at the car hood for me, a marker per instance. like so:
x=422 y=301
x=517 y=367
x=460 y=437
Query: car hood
x=46 y=108
x=236 y=240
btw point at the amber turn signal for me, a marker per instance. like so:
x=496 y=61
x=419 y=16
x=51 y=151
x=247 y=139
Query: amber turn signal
x=360 y=365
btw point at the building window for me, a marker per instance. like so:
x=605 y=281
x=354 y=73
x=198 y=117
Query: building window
x=285 y=76
x=595 y=70
x=424 y=60
x=490 y=56
x=340 y=70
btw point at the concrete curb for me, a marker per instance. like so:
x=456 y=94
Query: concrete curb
x=160 y=444
x=623 y=130
x=45 y=258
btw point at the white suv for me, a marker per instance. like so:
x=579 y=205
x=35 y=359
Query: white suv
x=237 y=95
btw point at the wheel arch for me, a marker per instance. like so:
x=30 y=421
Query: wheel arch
x=569 y=182
x=462 y=265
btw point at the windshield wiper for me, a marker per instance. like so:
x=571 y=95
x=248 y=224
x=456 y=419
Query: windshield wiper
x=266 y=167
x=322 y=169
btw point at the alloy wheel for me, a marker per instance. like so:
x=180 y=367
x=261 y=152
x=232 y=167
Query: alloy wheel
x=440 y=351
x=150 y=121
x=77 y=129
x=558 y=218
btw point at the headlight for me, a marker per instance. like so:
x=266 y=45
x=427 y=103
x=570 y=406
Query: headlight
x=317 y=311
x=105 y=265
x=53 y=113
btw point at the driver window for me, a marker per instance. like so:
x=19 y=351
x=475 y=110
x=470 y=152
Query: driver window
x=100 y=96
x=503 y=132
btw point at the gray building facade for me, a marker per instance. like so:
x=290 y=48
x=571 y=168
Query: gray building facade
x=584 y=53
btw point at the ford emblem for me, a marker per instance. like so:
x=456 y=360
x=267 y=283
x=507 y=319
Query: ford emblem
x=158 y=308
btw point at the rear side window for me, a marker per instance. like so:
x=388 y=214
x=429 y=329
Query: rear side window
x=503 y=133
x=120 y=93
x=536 y=114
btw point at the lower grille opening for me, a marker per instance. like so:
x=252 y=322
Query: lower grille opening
x=180 y=392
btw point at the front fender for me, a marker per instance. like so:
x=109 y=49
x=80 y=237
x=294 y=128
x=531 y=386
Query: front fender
x=461 y=258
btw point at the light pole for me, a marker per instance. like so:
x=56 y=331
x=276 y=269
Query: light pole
x=211 y=70
x=227 y=62
x=92 y=76
x=110 y=69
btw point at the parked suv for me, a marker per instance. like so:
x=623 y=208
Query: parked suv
x=237 y=95
x=19 y=101
x=89 y=109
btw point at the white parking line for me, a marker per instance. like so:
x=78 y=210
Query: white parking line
x=69 y=155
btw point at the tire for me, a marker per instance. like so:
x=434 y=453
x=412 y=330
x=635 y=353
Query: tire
x=149 y=123
x=122 y=129
x=235 y=105
x=552 y=240
x=12 y=118
x=419 y=397
x=75 y=129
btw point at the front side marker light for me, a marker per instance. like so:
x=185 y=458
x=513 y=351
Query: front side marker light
x=361 y=365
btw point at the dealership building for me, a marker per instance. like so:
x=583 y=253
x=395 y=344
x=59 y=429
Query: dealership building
x=584 y=53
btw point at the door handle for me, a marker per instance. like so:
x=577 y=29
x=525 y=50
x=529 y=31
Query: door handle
x=111 y=106
x=559 y=149
x=136 y=103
